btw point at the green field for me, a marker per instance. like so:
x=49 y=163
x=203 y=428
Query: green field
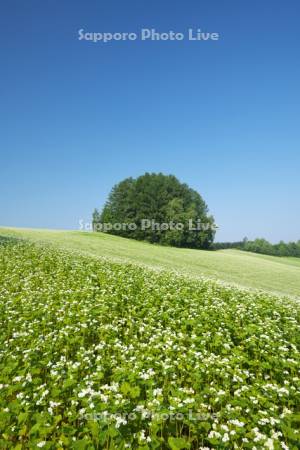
x=271 y=274
x=96 y=354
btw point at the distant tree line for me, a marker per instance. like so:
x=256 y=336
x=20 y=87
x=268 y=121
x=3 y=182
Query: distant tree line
x=263 y=246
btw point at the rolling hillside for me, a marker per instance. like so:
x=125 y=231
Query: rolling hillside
x=271 y=274
x=103 y=354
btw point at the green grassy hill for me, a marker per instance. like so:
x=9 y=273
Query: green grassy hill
x=272 y=274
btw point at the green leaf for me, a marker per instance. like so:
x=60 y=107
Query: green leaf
x=22 y=417
x=178 y=443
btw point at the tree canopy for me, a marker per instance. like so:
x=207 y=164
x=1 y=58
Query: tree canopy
x=159 y=209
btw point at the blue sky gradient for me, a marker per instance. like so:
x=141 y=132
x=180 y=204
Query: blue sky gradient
x=77 y=117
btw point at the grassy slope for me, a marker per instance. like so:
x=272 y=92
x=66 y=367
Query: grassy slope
x=272 y=274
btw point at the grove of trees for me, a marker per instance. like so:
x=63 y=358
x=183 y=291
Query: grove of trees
x=263 y=246
x=161 y=199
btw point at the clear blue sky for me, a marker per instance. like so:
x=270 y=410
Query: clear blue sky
x=77 y=117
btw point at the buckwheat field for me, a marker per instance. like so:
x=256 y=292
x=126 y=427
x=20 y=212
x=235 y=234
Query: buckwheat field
x=103 y=355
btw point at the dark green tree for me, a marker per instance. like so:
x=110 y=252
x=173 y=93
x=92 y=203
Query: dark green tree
x=161 y=199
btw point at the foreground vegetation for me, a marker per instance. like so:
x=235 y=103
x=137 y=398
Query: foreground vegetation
x=97 y=354
x=267 y=273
